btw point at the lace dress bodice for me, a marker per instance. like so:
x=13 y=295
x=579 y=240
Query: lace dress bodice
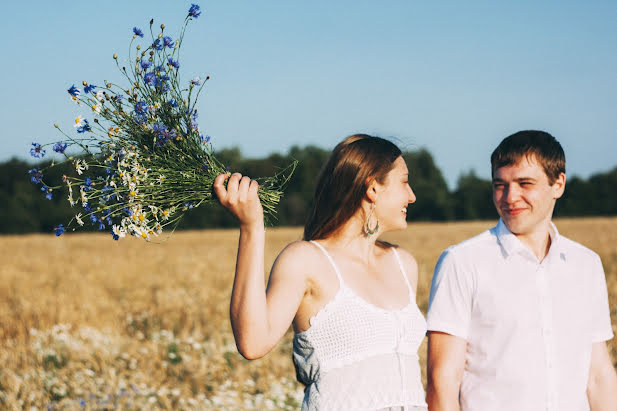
x=357 y=356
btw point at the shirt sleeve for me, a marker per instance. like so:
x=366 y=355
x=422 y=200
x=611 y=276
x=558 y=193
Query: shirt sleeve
x=450 y=301
x=602 y=329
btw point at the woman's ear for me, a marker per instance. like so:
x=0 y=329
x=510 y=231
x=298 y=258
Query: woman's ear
x=371 y=189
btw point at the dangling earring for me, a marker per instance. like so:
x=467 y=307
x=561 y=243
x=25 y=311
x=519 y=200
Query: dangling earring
x=367 y=225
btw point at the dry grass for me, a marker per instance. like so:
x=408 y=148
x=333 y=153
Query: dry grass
x=86 y=322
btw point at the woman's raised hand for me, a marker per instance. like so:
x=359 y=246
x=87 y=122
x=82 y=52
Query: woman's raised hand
x=240 y=198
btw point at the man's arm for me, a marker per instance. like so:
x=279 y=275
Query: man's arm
x=446 y=362
x=602 y=384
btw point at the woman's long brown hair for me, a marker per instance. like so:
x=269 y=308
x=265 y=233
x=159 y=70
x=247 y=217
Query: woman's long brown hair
x=354 y=163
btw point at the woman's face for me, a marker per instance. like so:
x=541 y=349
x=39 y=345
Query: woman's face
x=393 y=197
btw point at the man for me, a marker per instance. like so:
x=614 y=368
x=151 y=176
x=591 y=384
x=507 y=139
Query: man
x=518 y=315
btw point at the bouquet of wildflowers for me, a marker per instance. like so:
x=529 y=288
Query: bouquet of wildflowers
x=142 y=159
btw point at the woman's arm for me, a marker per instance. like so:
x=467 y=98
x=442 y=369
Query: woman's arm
x=259 y=318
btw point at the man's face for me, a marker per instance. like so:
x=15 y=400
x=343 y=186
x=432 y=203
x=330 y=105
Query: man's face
x=523 y=196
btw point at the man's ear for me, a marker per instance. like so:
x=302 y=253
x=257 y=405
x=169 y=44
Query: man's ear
x=371 y=189
x=559 y=185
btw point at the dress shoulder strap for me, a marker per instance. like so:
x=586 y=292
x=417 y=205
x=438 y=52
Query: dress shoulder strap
x=400 y=264
x=338 y=273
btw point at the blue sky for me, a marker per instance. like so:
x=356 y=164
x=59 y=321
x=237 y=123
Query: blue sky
x=454 y=77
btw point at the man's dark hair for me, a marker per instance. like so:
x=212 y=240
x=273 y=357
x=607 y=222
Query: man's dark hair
x=531 y=144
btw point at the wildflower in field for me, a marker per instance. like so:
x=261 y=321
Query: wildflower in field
x=88 y=88
x=145 y=64
x=37 y=151
x=194 y=11
x=59 y=147
x=196 y=81
x=137 y=32
x=96 y=108
x=79 y=220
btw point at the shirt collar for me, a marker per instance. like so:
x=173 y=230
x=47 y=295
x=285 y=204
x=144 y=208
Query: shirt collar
x=512 y=245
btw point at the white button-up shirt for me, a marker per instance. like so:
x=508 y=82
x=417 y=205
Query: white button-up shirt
x=529 y=325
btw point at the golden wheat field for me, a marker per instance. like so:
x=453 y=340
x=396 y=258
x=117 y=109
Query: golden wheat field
x=89 y=323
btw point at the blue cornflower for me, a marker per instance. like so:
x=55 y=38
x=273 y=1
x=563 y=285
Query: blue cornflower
x=150 y=79
x=194 y=11
x=141 y=107
x=74 y=91
x=196 y=81
x=161 y=83
x=204 y=139
x=87 y=208
x=85 y=127
x=138 y=32
x=114 y=235
x=168 y=42
x=145 y=64
x=94 y=219
x=157 y=44
x=189 y=205
x=173 y=63
x=37 y=175
x=173 y=103
x=87 y=184
x=59 y=147
x=47 y=191
x=59 y=229
x=163 y=134
x=37 y=151
x=101 y=224
x=89 y=88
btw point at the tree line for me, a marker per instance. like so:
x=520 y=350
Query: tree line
x=24 y=208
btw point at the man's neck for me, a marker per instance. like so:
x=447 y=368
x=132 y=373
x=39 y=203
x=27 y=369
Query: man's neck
x=539 y=242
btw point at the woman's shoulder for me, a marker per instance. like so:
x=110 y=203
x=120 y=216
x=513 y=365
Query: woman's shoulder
x=298 y=254
x=407 y=259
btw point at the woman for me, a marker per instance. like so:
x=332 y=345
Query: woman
x=349 y=296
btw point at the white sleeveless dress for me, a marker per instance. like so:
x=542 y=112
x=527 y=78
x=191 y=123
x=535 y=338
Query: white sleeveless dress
x=357 y=356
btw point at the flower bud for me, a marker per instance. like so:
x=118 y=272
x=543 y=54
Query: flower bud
x=151 y=53
x=139 y=47
x=115 y=56
x=162 y=27
x=84 y=83
x=151 y=21
x=160 y=35
x=56 y=125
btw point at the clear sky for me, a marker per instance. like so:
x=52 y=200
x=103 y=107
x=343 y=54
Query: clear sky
x=454 y=77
